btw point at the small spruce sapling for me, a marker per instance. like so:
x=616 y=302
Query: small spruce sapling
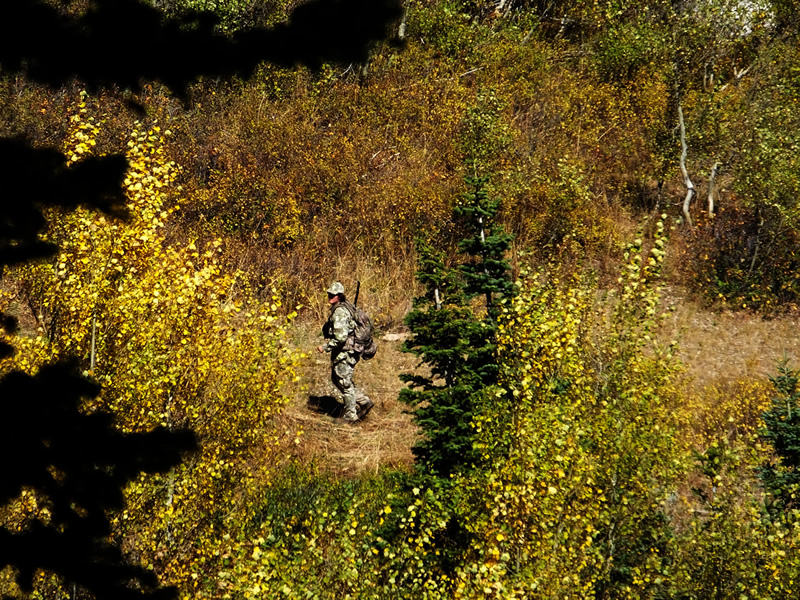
x=457 y=345
x=782 y=432
x=487 y=271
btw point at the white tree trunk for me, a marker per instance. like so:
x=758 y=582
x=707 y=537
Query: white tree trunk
x=502 y=8
x=687 y=201
x=712 y=188
x=401 y=31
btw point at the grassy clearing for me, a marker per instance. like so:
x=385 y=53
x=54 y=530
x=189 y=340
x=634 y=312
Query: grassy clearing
x=383 y=439
x=719 y=347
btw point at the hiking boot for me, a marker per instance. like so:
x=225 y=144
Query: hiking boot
x=363 y=409
x=350 y=414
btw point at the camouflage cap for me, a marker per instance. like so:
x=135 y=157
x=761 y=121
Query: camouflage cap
x=336 y=288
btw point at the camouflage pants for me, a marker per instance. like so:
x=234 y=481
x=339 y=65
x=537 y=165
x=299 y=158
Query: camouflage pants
x=343 y=365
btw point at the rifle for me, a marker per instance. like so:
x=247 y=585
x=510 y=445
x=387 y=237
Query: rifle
x=358 y=289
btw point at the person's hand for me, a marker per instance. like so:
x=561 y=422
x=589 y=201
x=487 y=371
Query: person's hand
x=320 y=349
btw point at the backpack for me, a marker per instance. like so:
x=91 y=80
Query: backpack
x=361 y=339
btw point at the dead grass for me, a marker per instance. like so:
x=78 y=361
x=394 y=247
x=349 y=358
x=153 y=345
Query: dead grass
x=725 y=347
x=383 y=439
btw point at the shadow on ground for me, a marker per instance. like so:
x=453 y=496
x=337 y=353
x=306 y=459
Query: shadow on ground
x=327 y=405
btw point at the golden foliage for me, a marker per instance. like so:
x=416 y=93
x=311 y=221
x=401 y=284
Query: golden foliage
x=174 y=341
x=579 y=442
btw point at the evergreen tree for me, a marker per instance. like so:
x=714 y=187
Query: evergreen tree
x=457 y=344
x=782 y=431
x=487 y=271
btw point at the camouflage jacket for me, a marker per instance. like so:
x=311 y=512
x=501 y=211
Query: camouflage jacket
x=338 y=328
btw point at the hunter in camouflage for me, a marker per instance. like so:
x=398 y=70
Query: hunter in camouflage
x=338 y=332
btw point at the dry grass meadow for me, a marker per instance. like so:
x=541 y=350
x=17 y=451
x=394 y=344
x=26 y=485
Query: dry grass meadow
x=719 y=347
x=383 y=439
